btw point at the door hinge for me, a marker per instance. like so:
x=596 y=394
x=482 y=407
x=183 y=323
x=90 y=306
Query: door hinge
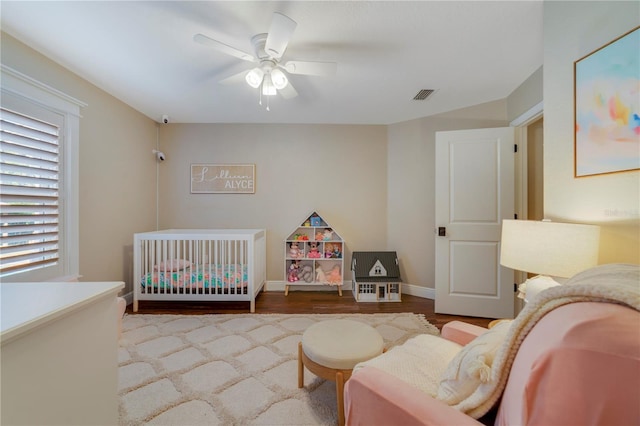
x=515 y=148
x=515 y=216
x=515 y=287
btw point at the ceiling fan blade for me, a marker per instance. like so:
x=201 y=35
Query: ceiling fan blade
x=311 y=68
x=234 y=78
x=224 y=48
x=288 y=92
x=280 y=32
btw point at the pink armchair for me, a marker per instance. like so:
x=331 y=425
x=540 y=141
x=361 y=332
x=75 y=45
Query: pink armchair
x=578 y=365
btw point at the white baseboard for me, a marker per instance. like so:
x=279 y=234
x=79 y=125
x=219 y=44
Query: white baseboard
x=419 y=291
x=411 y=289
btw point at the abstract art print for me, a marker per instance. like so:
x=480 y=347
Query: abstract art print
x=607 y=108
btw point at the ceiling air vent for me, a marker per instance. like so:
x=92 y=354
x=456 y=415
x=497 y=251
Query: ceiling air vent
x=423 y=94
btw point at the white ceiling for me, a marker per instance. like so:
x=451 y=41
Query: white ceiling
x=143 y=53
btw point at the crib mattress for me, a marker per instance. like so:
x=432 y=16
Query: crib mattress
x=214 y=276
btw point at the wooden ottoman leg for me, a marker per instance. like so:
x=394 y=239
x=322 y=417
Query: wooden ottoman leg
x=300 y=366
x=340 y=397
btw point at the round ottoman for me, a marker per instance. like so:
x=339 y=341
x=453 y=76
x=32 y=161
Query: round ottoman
x=330 y=349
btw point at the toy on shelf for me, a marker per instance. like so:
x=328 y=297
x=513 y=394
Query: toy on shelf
x=315 y=220
x=328 y=250
x=294 y=251
x=293 y=271
x=328 y=234
x=332 y=251
x=320 y=276
x=314 y=251
x=319 y=236
x=306 y=274
x=335 y=276
x=301 y=237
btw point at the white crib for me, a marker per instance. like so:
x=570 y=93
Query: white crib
x=199 y=265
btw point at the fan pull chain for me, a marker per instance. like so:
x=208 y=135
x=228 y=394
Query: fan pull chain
x=260 y=97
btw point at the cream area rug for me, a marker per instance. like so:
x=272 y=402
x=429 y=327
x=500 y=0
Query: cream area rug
x=234 y=369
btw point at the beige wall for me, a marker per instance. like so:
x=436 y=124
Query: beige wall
x=525 y=96
x=411 y=179
x=117 y=174
x=337 y=170
x=373 y=184
x=571 y=31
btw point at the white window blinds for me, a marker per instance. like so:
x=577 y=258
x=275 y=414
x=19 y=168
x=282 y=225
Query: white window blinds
x=29 y=192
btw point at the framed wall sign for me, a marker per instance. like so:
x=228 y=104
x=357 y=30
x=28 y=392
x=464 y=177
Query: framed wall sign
x=223 y=178
x=607 y=108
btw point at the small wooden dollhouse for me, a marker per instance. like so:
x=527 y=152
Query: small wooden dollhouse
x=376 y=276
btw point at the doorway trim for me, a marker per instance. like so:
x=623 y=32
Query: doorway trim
x=529 y=116
x=521 y=124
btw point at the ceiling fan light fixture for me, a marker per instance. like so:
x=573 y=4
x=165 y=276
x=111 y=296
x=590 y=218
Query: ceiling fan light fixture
x=254 y=77
x=278 y=79
x=271 y=76
x=268 y=89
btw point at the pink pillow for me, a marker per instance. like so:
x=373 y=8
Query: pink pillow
x=172 y=265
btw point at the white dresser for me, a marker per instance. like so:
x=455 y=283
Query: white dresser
x=59 y=345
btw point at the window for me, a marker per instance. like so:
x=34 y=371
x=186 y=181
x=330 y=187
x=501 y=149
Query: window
x=38 y=180
x=29 y=197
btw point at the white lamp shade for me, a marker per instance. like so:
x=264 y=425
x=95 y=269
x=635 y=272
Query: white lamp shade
x=549 y=248
x=278 y=79
x=254 y=77
x=268 y=89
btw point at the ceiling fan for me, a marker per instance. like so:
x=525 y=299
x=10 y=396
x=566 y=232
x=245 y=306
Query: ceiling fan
x=270 y=75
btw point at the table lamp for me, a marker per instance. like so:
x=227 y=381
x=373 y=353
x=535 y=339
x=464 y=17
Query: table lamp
x=554 y=250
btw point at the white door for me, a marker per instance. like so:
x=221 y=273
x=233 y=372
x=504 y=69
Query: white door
x=474 y=192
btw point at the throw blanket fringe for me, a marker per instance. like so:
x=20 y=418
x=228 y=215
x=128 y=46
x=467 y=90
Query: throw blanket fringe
x=613 y=283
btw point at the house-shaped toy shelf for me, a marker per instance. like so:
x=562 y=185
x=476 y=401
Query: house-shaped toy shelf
x=314 y=255
x=376 y=276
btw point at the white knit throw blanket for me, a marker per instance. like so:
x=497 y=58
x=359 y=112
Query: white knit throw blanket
x=613 y=283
